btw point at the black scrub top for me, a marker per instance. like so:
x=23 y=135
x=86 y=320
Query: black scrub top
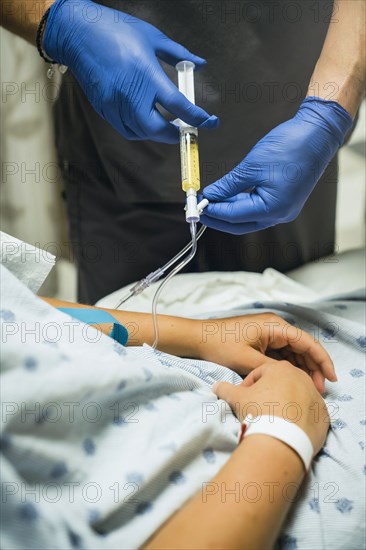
x=260 y=55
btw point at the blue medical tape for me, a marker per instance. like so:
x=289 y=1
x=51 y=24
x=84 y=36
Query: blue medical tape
x=98 y=317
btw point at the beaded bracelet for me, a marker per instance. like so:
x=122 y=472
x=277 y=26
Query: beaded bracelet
x=42 y=53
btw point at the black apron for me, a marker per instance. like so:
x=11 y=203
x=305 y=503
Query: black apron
x=124 y=198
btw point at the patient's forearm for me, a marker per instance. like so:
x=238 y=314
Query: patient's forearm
x=340 y=72
x=262 y=473
x=177 y=335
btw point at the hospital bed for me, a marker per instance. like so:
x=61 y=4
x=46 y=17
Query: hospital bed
x=201 y=293
x=85 y=481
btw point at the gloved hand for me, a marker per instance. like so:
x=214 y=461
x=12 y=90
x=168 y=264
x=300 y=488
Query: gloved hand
x=114 y=58
x=280 y=171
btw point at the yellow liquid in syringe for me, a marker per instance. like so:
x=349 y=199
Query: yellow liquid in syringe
x=190 y=166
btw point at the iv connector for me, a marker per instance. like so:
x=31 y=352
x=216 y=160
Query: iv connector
x=194 y=210
x=192 y=214
x=202 y=205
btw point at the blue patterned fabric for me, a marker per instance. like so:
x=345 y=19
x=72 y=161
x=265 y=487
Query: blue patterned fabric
x=92 y=316
x=100 y=444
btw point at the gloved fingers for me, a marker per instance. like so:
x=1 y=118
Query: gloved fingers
x=241 y=178
x=148 y=125
x=156 y=128
x=171 y=52
x=235 y=198
x=178 y=105
x=233 y=228
x=246 y=207
x=127 y=132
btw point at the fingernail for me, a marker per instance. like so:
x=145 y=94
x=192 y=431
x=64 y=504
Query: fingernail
x=214 y=387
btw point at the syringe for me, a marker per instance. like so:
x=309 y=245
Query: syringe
x=189 y=157
x=191 y=185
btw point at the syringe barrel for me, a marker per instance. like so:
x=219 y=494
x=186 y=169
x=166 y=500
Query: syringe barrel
x=189 y=158
x=188 y=134
x=186 y=79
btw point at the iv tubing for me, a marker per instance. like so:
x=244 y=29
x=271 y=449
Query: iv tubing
x=141 y=285
x=179 y=267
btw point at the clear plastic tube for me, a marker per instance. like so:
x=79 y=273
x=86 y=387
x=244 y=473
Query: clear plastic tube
x=154 y=276
x=179 y=267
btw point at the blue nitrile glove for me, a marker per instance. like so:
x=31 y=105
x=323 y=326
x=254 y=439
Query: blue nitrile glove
x=280 y=171
x=114 y=58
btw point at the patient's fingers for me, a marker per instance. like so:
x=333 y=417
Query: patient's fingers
x=249 y=360
x=318 y=359
x=224 y=390
x=304 y=344
x=238 y=397
x=230 y=393
x=311 y=368
x=319 y=381
x=307 y=364
x=289 y=355
x=317 y=373
x=257 y=373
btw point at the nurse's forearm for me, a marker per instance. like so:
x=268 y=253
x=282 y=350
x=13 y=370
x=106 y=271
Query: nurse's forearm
x=340 y=73
x=22 y=17
x=177 y=335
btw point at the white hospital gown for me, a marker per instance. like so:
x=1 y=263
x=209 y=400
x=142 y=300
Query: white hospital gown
x=100 y=444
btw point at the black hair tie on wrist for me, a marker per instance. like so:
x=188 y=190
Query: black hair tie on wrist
x=42 y=53
x=39 y=36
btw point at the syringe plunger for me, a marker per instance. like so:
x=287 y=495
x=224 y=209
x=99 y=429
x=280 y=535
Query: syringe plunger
x=186 y=79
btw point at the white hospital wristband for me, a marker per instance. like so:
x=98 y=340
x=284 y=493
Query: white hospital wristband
x=281 y=429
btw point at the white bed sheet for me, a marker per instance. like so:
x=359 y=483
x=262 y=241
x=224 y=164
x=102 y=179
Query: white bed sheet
x=201 y=293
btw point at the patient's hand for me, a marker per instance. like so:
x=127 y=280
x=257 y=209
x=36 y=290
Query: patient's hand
x=271 y=390
x=246 y=342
